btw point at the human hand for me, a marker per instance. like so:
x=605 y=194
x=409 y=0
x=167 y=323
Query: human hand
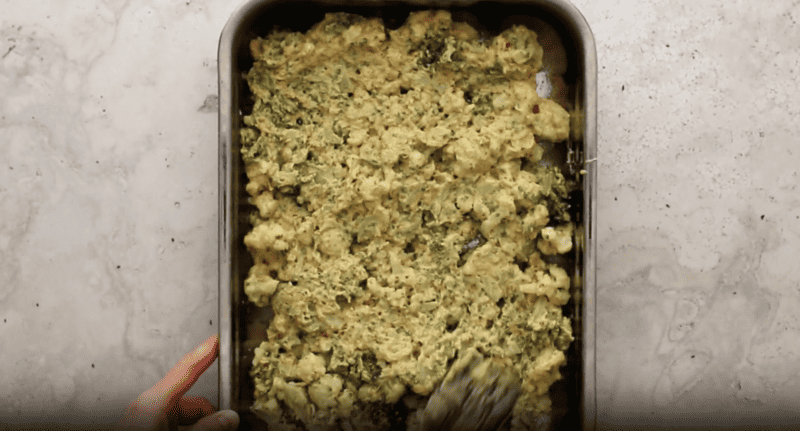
x=164 y=406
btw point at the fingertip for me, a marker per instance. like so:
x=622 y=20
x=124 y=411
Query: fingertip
x=186 y=372
x=215 y=343
x=229 y=419
x=210 y=347
x=224 y=420
x=189 y=410
x=198 y=402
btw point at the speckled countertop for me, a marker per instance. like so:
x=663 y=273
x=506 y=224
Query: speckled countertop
x=108 y=206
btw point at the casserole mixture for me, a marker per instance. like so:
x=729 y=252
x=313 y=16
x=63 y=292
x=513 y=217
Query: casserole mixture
x=401 y=217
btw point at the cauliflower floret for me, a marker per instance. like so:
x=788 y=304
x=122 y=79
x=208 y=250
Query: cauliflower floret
x=489 y=269
x=393 y=388
x=259 y=172
x=555 y=285
x=551 y=123
x=395 y=348
x=536 y=219
x=333 y=242
x=310 y=367
x=518 y=45
x=295 y=397
x=556 y=240
x=259 y=286
x=545 y=369
x=324 y=391
x=471 y=156
x=269 y=235
x=372 y=188
x=286 y=177
x=346 y=400
x=266 y=204
x=369 y=393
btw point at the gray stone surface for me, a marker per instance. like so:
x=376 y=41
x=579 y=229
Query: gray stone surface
x=108 y=206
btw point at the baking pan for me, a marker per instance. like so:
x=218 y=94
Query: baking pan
x=571 y=79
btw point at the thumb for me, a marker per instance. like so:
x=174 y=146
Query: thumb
x=223 y=420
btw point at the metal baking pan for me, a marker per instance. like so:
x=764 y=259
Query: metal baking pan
x=571 y=60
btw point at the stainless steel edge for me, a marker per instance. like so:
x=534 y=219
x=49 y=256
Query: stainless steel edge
x=589 y=334
x=224 y=68
x=223 y=316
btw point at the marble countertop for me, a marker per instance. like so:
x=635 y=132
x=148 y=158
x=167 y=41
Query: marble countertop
x=108 y=206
